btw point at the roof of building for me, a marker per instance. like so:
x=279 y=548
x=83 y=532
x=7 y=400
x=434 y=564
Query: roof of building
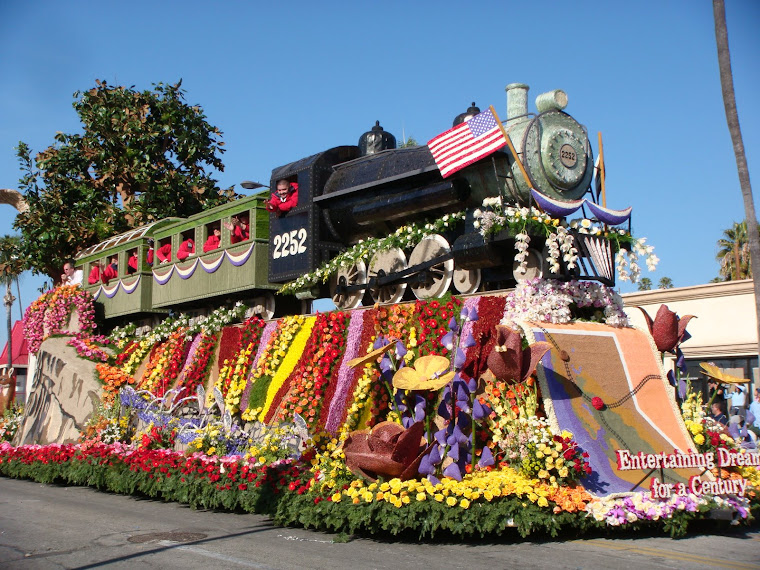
x=18 y=345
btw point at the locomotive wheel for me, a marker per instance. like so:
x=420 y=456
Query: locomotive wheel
x=262 y=306
x=430 y=247
x=533 y=269
x=382 y=264
x=354 y=275
x=466 y=281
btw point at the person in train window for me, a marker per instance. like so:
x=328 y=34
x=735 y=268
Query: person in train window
x=239 y=230
x=111 y=271
x=71 y=275
x=284 y=199
x=213 y=241
x=94 y=276
x=132 y=263
x=150 y=255
x=185 y=249
x=164 y=253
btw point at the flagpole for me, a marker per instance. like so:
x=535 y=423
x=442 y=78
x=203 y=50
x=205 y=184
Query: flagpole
x=511 y=147
x=601 y=172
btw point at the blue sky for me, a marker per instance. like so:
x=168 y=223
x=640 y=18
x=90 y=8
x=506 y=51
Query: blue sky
x=284 y=80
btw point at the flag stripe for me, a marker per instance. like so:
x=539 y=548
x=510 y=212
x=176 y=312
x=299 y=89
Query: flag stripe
x=466 y=143
x=476 y=153
x=484 y=144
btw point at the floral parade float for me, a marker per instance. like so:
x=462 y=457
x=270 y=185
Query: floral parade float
x=539 y=409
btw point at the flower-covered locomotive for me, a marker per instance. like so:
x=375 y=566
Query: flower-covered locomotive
x=410 y=232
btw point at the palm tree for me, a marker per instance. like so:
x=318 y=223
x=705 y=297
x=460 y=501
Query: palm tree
x=733 y=254
x=645 y=284
x=11 y=266
x=665 y=283
x=732 y=118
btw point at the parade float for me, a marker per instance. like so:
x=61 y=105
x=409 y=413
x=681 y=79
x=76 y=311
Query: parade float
x=539 y=409
x=530 y=408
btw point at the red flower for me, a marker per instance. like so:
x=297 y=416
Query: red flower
x=597 y=402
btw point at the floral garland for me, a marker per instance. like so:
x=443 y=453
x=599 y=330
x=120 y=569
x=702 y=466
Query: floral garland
x=264 y=357
x=199 y=364
x=403 y=323
x=90 y=347
x=404 y=237
x=272 y=361
x=359 y=388
x=192 y=349
x=113 y=379
x=488 y=312
x=481 y=487
x=337 y=391
x=291 y=359
x=526 y=221
x=165 y=365
x=232 y=378
x=311 y=379
x=433 y=318
x=50 y=313
x=551 y=301
x=137 y=350
x=266 y=337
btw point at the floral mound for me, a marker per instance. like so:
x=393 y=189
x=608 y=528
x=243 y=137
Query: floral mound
x=265 y=417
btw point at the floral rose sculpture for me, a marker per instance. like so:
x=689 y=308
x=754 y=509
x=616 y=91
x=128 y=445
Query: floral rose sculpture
x=667 y=329
x=387 y=450
x=509 y=361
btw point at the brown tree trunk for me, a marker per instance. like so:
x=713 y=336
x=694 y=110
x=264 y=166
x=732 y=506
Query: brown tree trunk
x=732 y=118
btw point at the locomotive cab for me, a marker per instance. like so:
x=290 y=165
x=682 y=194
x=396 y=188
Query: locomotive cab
x=297 y=239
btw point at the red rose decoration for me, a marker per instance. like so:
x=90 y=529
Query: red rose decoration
x=597 y=402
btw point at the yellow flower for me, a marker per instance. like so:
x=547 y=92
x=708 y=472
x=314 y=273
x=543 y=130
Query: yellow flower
x=421 y=497
x=699 y=439
x=438 y=497
x=464 y=503
x=336 y=498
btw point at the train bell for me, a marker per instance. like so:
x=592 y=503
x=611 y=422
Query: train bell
x=467 y=115
x=376 y=140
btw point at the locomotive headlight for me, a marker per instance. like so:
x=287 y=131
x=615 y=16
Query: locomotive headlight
x=563 y=157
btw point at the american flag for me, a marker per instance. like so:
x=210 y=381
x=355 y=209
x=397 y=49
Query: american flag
x=468 y=142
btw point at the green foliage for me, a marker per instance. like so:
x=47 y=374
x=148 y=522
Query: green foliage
x=409 y=143
x=142 y=156
x=733 y=253
x=645 y=284
x=665 y=283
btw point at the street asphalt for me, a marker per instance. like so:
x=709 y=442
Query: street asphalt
x=49 y=526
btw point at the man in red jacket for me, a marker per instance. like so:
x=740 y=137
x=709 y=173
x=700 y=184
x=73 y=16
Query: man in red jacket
x=213 y=241
x=284 y=199
x=185 y=249
x=111 y=271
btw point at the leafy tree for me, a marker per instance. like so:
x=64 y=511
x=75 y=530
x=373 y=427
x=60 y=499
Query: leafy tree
x=665 y=283
x=142 y=156
x=645 y=284
x=733 y=253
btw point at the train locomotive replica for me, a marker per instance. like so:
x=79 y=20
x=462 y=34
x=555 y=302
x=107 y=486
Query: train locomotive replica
x=349 y=193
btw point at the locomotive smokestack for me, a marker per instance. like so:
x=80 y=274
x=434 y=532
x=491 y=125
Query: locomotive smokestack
x=517 y=100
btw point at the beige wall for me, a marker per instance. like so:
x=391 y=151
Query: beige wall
x=726 y=323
